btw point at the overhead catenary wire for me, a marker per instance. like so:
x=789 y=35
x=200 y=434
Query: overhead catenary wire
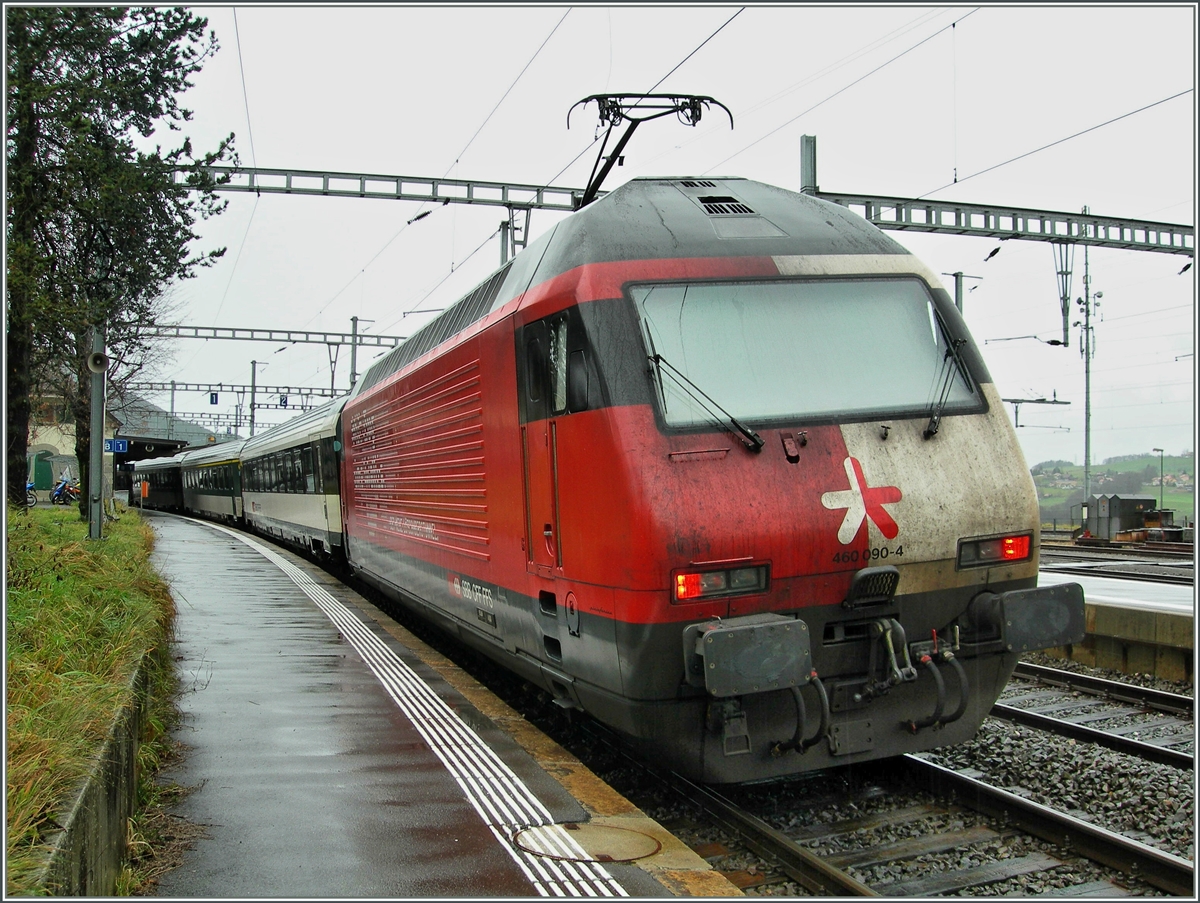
x=245 y=95
x=421 y=211
x=841 y=90
x=697 y=50
x=1058 y=142
x=253 y=162
x=694 y=51
x=413 y=309
x=846 y=60
x=509 y=91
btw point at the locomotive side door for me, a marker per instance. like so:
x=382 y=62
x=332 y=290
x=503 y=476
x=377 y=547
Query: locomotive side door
x=543 y=343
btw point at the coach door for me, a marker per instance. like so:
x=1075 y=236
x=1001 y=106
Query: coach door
x=544 y=343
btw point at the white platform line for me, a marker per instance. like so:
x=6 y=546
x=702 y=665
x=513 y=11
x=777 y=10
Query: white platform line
x=503 y=801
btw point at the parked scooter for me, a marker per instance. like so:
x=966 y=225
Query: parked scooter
x=31 y=498
x=65 y=493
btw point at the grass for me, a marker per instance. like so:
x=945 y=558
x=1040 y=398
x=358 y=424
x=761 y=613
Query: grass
x=80 y=616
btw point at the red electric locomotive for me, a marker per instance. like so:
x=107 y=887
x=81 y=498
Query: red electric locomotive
x=719 y=464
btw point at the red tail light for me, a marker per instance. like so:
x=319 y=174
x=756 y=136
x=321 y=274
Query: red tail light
x=1001 y=549
x=731 y=582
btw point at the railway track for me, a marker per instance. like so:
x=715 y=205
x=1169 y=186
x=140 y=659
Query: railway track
x=1123 y=564
x=1182 y=578
x=1109 y=713
x=1108 y=553
x=919 y=829
x=1116 y=716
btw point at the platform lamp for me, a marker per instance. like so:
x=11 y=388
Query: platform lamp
x=1160 y=477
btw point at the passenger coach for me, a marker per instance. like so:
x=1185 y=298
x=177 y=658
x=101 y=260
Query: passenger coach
x=163 y=481
x=212 y=480
x=290 y=481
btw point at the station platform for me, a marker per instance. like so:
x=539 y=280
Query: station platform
x=335 y=755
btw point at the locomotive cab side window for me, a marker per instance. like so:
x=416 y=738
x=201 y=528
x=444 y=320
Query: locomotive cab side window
x=554 y=367
x=558 y=364
x=535 y=366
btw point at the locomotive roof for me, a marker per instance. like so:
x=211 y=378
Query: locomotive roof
x=656 y=218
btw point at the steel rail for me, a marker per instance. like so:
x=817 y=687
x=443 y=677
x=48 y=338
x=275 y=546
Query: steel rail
x=1158 y=700
x=1085 y=571
x=1163 y=870
x=801 y=865
x=1161 y=754
x=1108 y=552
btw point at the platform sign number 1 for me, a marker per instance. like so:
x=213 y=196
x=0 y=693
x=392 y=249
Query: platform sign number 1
x=212 y=397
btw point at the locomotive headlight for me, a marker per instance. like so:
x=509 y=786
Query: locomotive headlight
x=999 y=550
x=707 y=584
x=747 y=579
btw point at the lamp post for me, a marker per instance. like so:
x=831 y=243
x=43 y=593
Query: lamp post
x=1160 y=477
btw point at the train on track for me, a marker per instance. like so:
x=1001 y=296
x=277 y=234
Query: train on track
x=715 y=462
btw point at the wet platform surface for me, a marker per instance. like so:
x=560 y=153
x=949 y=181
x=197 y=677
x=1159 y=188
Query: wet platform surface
x=330 y=760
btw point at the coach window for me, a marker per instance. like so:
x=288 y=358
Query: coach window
x=310 y=475
x=329 y=466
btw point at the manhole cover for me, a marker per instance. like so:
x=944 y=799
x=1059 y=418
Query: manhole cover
x=587 y=843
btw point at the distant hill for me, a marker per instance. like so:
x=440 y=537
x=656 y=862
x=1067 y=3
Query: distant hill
x=1060 y=484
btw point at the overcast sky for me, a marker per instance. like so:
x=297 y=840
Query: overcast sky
x=900 y=103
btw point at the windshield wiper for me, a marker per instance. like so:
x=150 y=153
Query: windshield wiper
x=950 y=363
x=753 y=441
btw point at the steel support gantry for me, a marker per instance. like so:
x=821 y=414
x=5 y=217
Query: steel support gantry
x=298 y=391
x=287 y=336
x=519 y=199
x=884 y=211
x=993 y=221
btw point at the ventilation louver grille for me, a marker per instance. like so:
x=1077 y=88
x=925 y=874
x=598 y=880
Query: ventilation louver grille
x=704 y=183
x=724 y=206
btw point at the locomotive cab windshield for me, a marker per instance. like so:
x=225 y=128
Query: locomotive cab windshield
x=764 y=352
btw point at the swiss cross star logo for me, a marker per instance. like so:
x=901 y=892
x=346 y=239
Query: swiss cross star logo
x=862 y=501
